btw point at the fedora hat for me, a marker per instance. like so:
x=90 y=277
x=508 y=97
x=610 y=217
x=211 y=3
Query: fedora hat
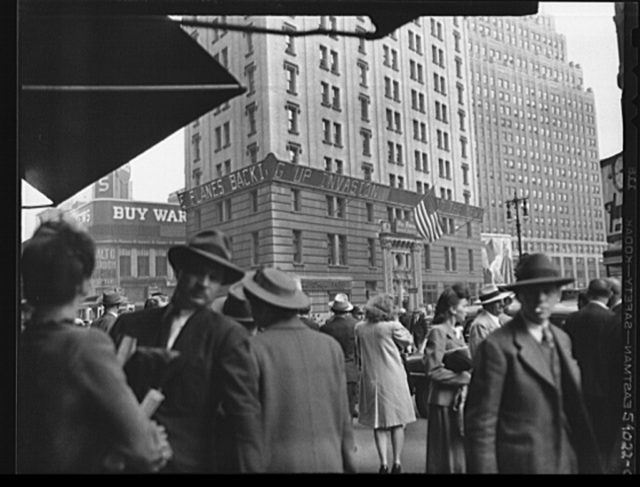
x=491 y=293
x=275 y=287
x=208 y=245
x=534 y=270
x=112 y=299
x=234 y=305
x=340 y=303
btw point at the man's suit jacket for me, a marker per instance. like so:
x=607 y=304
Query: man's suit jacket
x=480 y=328
x=105 y=322
x=513 y=420
x=342 y=328
x=588 y=330
x=305 y=412
x=215 y=370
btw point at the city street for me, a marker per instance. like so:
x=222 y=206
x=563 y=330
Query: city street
x=413 y=455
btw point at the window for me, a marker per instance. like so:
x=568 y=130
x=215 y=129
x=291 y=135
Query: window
x=334 y=62
x=143 y=265
x=161 y=265
x=366 y=142
x=292 y=117
x=363 y=69
x=291 y=73
x=461 y=117
x=324 y=57
x=364 y=107
x=465 y=175
x=218 y=135
x=297 y=246
x=331 y=249
x=252 y=152
x=251 y=118
x=336 y=98
x=427 y=257
x=249 y=72
x=294 y=151
x=339 y=166
x=227 y=166
x=371 y=252
x=463 y=146
x=255 y=248
x=195 y=141
x=295 y=200
x=460 y=89
x=227 y=209
x=362 y=46
x=227 y=134
x=392 y=180
x=254 y=201
x=248 y=36
x=367 y=170
x=469 y=230
x=337 y=134
x=342 y=250
x=125 y=266
x=369 y=209
x=290 y=47
x=399 y=155
x=326 y=131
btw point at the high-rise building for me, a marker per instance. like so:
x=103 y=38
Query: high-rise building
x=536 y=138
x=316 y=168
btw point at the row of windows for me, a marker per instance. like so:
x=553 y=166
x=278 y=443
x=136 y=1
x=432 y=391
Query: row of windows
x=143 y=266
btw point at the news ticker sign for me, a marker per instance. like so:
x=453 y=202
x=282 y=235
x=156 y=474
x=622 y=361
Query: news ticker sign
x=273 y=170
x=100 y=212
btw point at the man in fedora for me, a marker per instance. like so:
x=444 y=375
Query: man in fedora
x=110 y=302
x=305 y=413
x=236 y=306
x=341 y=326
x=590 y=329
x=214 y=368
x=488 y=320
x=524 y=412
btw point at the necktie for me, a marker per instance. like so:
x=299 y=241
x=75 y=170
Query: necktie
x=548 y=346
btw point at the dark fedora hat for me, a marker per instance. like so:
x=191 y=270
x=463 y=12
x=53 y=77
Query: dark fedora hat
x=234 y=305
x=534 y=270
x=208 y=245
x=112 y=299
x=276 y=288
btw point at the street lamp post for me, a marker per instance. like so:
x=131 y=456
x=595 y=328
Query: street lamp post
x=517 y=203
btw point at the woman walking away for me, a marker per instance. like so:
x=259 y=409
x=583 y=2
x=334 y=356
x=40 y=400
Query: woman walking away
x=447 y=388
x=385 y=400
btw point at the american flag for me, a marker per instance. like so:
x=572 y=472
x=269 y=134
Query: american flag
x=426 y=217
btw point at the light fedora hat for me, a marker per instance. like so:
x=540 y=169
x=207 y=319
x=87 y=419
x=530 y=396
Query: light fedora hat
x=276 y=288
x=536 y=270
x=208 y=245
x=340 y=303
x=491 y=293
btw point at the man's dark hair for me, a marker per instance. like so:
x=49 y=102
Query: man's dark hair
x=55 y=261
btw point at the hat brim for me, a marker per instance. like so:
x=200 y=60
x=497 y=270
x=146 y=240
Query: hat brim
x=299 y=300
x=180 y=254
x=558 y=281
x=499 y=297
x=333 y=308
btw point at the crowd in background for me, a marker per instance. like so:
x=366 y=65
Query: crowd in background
x=232 y=374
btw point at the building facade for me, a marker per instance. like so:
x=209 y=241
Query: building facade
x=132 y=239
x=536 y=138
x=358 y=118
x=613 y=193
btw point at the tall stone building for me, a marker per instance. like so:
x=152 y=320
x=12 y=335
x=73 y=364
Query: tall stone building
x=317 y=167
x=535 y=132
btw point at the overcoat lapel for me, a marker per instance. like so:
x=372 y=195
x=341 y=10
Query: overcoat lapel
x=530 y=354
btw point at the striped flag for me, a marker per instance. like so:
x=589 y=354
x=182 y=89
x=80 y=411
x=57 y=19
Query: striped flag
x=426 y=217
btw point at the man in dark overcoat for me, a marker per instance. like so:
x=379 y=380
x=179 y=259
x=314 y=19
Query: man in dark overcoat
x=341 y=326
x=588 y=329
x=110 y=302
x=525 y=412
x=214 y=370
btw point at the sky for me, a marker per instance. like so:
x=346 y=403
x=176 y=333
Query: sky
x=591 y=42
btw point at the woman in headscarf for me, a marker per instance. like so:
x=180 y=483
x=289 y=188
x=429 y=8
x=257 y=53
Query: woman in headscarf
x=385 y=400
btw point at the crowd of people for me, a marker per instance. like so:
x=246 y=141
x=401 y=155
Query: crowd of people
x=249 y=382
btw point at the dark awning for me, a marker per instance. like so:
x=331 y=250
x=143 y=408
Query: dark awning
x=96 y=91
